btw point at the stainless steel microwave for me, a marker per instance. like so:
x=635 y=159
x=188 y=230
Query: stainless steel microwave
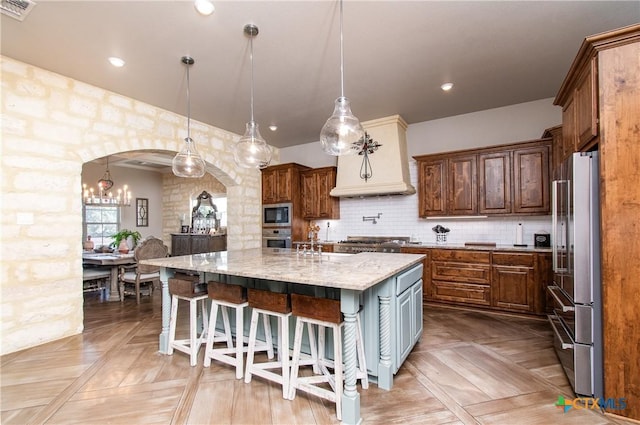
x=277 y=215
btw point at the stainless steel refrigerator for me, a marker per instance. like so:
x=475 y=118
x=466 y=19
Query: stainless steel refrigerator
x=576 y=293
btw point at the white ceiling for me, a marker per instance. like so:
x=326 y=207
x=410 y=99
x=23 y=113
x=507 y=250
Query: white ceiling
x=397 y=54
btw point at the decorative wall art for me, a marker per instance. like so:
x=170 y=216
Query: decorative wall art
x=142 y=212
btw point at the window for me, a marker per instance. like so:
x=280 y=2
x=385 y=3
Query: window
x=100 y=223
x=221 y=204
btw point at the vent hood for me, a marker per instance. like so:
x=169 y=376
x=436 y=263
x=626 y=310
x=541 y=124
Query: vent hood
x=389 y=163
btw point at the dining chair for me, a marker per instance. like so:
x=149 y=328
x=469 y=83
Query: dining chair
x=143 y=274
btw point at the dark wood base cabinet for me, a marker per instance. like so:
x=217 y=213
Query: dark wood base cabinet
x=187 y=244
x=498 y=280
x=513 y=282
x=461 y=276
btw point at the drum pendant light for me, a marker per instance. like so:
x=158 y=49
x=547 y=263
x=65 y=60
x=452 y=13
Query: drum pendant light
x=251 y=150
x=188 y=162
x=342 y=133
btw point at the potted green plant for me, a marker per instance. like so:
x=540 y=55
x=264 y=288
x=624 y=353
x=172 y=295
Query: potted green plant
x=122 y=236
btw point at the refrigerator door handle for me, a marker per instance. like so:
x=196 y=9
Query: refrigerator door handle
x=554 y=224
x=566 y=343
x=556 y=293
x=558 y=230
x=568 y=238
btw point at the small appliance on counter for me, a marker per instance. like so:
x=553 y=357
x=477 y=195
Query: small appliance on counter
x=542 y=240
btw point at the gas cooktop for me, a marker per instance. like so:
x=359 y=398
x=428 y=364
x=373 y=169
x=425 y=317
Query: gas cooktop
x=355 y=244
x=375 y=239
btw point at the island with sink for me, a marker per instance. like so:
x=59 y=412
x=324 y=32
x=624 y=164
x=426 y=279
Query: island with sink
x=385 y=288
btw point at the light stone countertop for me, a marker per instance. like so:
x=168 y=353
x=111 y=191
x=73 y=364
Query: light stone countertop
x=345 y=271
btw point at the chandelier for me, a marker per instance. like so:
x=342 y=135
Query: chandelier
x=104 y=195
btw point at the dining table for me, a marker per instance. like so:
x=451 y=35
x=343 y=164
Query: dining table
x=112 y=260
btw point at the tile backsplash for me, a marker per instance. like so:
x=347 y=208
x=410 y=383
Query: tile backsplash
x=399 y=217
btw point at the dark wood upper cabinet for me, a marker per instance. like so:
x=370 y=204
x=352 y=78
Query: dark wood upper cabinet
x=569 y=126
x=280 y=183
x=432 y=181
x=309 y=188
x=499 y=180
x=463 y=185
x=269 y=187
x=316 y=201
x=586 y=104
x=531 y=180
x=557 y=150
x=328 y=206
x=494 y=171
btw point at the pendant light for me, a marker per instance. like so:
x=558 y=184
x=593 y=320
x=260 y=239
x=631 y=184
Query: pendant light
x=251 y=150
x=342 y=133
x=188 y=162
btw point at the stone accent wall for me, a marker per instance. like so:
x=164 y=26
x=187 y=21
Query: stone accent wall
x=177 y=193
x=51 y=125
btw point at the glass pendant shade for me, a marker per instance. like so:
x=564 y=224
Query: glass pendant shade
x=342 y=134
x=251 y=150
x=188 y=162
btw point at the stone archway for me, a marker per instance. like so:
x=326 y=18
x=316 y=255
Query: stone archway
x=51 y=126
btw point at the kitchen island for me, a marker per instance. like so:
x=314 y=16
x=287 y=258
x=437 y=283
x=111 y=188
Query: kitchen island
x=389 y=287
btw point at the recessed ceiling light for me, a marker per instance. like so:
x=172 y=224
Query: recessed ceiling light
x=446 y=86
x=204 y=7
x=273 y=127
x=117 y=62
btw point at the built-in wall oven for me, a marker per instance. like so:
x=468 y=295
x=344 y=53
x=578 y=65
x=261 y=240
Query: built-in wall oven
x=576 y=290
x=276 y=238
x=277 y=215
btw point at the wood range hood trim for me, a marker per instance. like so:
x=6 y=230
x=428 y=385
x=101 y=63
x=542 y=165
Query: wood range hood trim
x=390 y=163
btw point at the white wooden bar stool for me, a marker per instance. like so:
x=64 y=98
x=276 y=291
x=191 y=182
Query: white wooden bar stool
x=190 y=290
x=224 y=297
x=325 y=314
x=269 y=304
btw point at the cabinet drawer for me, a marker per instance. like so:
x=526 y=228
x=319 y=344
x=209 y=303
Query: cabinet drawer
x=408 y=278
x=461 y=293
x=461 y=272
x=461 y=255
x=327 y=248
x=415 y=250
x=513 y=259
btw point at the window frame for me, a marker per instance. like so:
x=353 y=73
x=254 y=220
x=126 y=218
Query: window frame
x=101 y=239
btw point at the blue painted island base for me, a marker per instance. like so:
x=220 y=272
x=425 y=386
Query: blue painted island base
x=389 y=304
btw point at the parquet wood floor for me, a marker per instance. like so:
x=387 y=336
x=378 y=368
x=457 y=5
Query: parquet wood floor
x=469 y=368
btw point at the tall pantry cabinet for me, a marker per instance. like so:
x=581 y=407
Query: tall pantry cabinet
x=600 y=98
